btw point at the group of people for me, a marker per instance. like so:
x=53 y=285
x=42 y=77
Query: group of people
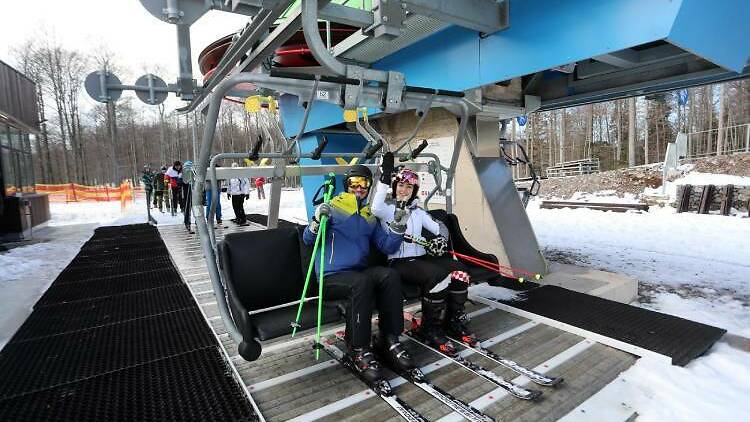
x=394 y=224
x=166 y=189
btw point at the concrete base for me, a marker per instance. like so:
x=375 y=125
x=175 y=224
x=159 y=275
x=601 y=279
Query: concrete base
x=603 y=284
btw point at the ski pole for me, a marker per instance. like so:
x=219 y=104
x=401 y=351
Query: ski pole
x=310 y=267
x=323 y=226
x=486 y=264
x=295 y=324
x=493 y=265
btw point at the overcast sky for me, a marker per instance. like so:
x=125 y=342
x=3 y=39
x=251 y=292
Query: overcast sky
x=139 y=40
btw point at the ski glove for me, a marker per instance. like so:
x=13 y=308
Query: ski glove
x=323 y=209
x=386 y=168
x=437 y=246
x=247 y=196
x=400 y=218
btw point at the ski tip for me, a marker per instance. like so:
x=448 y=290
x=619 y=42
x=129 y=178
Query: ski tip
x=535 y=395
x=555 y=382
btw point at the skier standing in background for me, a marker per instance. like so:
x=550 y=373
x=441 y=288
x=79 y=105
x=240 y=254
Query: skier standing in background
x=239 y=190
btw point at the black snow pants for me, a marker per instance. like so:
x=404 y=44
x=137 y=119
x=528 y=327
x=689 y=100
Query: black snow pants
x=379 y=286
x=176 y=199
x=238 y=204
x=427 y=272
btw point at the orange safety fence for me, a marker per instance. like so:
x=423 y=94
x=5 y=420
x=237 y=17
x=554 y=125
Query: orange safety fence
x=73 y=192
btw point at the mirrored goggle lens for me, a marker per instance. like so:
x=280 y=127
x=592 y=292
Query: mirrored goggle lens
x=358 y=181
x=410 y=177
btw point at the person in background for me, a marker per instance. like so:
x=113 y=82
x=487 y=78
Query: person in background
x=160 y=187
x=239 y=190
x=175 y=175
x=259 y=182
x=207 y=195
x=147 y=178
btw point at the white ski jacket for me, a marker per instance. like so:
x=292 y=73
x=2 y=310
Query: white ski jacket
x=239 y=186
x=418 y=219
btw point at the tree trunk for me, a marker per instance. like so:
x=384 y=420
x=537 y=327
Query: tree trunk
x=631 y=132
x=721 y=136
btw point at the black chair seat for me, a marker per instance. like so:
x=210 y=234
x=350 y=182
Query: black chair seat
x=277 y=323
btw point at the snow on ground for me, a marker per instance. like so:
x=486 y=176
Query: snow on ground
x=689 y=265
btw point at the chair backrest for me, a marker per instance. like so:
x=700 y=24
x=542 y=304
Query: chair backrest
x=263 y=266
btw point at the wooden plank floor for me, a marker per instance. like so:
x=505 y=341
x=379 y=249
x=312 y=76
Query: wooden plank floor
x=287 y=383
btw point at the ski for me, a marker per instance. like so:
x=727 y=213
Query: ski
x=382 y=388
x=513 y=389
x=418 y=378
x=534 y=376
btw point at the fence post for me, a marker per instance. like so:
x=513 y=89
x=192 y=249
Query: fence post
x=747 y=137
x=73 y=189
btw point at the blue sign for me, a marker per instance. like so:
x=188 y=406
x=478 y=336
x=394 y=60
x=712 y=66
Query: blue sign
x=682 y=97
x=521 y=120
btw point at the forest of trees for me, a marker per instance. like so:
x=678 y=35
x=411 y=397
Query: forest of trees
x=75 y=145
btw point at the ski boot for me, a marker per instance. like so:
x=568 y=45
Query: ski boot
x=430 y=330
x=364 y=362
x=456 y=325
x=391 y=349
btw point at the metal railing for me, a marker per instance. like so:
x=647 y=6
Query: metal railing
x=704 y=143
x=574 y=168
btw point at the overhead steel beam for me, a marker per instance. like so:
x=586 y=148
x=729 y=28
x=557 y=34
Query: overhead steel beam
x=244 y=43
x=622 y=58
x=347 y=15
x=486 y=16
x=606 y=63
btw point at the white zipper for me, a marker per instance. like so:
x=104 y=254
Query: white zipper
x=333 y=239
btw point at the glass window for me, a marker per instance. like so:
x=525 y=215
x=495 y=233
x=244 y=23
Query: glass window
x=9 y=176
x=4 y=135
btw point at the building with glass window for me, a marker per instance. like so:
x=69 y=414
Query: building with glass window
x=21 y=208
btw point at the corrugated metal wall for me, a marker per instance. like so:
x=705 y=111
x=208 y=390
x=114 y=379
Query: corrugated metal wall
x=18 y=97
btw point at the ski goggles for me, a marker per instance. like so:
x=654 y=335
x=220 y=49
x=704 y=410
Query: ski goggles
x=408 y=176
x=358 y=182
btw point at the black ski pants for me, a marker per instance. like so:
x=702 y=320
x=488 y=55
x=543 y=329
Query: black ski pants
x=176 y=200
x=427 y=272
x=378 y=286
x=238 y=204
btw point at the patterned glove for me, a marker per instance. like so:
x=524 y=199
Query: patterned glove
x=437 y=246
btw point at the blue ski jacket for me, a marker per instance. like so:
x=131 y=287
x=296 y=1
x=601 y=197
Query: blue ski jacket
x=349 y=231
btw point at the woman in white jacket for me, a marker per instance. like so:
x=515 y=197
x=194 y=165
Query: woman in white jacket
x=442 y=280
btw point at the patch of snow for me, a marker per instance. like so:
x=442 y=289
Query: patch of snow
x=27 y=272
x=607 y=196
x=494 y=293
x=714 y=387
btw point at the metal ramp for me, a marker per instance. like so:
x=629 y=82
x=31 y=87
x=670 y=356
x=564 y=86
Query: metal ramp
x=287 y=383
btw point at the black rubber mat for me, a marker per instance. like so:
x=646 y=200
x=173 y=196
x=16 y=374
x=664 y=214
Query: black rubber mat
x=79 y=275
x=158 y=258
x=88 y=289
x=85 y=314
x=118 y=337
x=153 y=248
x=194 y=386
x=681 y=339
x=51 y=361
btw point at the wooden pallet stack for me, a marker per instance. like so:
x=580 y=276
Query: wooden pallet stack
x=710 y=199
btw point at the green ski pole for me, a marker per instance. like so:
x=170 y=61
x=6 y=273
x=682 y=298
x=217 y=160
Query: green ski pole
x=323 y=225
x=295 y=324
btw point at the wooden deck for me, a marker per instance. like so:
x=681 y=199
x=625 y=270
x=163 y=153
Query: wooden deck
x=287 y=383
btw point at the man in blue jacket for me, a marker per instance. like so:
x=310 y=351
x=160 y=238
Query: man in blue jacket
x=350 y=230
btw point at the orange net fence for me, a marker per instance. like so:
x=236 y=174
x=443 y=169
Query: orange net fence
x=73 y=192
